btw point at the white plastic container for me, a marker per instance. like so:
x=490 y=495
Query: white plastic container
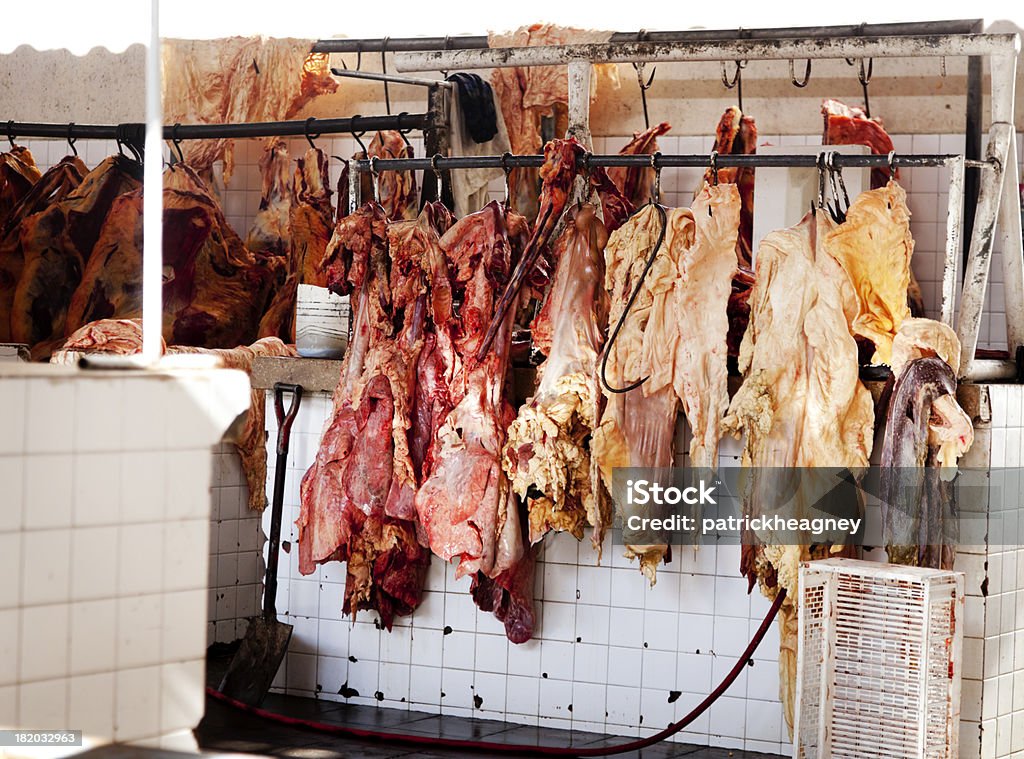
x=321 y=322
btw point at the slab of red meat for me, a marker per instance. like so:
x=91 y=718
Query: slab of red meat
x=356 y=499
x=18 y=172
x=397 y=188
x=465 y=503
x=557 y=174
x=56 y=184
x=510 y=596
x=635 y=182
x=311 y=219
x=849 y=125
x=214 y=292
x=736 y=134
x=615 y=207
x=58 y=245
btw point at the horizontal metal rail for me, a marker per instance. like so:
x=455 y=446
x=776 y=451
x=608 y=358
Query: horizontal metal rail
x=136 y=131
x=390 y=78
x=479 y=41
x=931 y=45
x=661 y=161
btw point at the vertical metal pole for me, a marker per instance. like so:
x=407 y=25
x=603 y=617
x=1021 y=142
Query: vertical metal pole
x=579 y=102
x=972 y=137
x=355 y=186
x=954 y=219
x=980 y=255
x=152 y=199
x=1013 y=250
x=436 y=139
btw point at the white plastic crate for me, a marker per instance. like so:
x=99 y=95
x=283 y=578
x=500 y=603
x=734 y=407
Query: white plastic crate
x=879 y=661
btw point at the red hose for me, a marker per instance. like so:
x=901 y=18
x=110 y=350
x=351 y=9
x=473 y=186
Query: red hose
x=515 y=748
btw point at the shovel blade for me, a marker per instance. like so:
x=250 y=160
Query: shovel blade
x=257 y=660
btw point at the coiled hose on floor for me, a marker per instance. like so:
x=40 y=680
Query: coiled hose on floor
x=517 y=748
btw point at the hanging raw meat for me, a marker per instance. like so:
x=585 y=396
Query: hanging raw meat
x=527 y=94
x=52 y=187
x=397 y=188
x=635 y=182
x=614 y=206
x=736 y=134
x=348 y=494
x=270 y=236
x=547 y=456
x=465 y=503
x=311 y=220
x=685 y=341
x=18 y=172
x=926 y=433
x=636 y=428
x=849 y=125
x=557 y=173
x=238 y=79
x=58 y=244
x=801 y=405
x=214 y=289
x=874 y=247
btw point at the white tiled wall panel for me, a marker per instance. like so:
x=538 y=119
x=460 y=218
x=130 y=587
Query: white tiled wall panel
x=103 y=604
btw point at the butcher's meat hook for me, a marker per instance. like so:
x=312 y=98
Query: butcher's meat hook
x=663 y=217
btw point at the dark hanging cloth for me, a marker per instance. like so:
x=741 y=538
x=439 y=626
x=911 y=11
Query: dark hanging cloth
x=476 y=100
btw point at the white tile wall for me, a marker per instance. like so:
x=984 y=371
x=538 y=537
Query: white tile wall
x=102 y=609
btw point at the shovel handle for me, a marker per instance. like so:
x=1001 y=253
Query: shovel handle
x=284 y=428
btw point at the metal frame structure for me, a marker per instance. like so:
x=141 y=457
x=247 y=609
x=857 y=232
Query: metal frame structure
x=998 y=199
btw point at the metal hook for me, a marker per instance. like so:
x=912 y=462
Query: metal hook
x=508 y=173
x=942 y=69
x=891 y=161
x=819 y=163
x=655 y=157
x=735 y=77
x=447 y=46
x=629 y=305
x=842 y=184
x=639 y=68
x=375 y=174
x=836 y=210
x=403 y=132
x=309 y=137
x=384 y=70
x=72 y=140
x=807 y=74
x=358 y=135
x=864 y=77
x=713 y=165
x=176 y=143
x=10 y=132
x=437 y=173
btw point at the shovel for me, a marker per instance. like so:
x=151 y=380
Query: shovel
x=255 y=664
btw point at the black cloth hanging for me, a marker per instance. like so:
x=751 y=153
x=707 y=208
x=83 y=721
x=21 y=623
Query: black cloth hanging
x=476 y=100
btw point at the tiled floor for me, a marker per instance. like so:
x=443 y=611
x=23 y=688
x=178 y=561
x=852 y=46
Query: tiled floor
x=225 y=729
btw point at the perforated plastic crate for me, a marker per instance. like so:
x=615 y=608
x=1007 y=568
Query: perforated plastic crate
x=879 y=661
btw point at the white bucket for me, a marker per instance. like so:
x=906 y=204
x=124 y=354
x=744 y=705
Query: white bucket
x=321 y=322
